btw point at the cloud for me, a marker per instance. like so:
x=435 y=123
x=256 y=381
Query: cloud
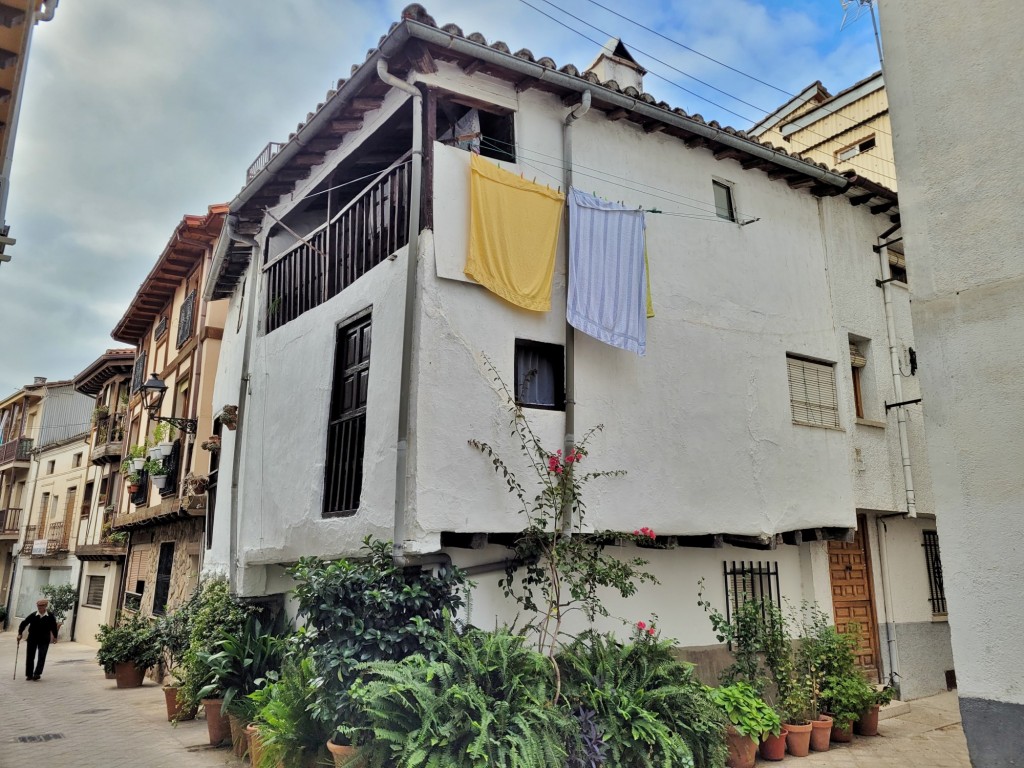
x=135 y=114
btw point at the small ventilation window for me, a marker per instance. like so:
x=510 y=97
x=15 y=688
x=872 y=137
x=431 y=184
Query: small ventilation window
x=853 y=150
x=540 y=375
x=487 y=131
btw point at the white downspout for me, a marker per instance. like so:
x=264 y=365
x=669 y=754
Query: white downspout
x=897 y=379
x=412 y=259
x=890 y=626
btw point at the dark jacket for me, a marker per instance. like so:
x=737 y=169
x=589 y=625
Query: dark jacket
x=41 y=629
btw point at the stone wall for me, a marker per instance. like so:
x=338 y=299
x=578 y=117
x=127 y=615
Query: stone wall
x=187 y=536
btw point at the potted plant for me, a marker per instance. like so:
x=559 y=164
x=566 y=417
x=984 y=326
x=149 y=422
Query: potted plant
x=228 y=416
x=798 y=714
x=136 y=459
x=173 y=628
x=157 y=473
x=846 y=698
x=130 y=647
x=163 y=437
x=750 y=720
x=289 y=734
x=99 y=413
x=211 y=444
x=867 y=723
x=133 y=479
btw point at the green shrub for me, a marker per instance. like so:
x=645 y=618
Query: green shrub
x=747 y=712
x=62 y=598
x=239 y=665
x=484 y=702
x=846 y=698
x=292 y=737
x=650 y=708
x=132 y=639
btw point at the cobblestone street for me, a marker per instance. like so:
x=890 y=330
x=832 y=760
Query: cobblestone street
x=76 y=717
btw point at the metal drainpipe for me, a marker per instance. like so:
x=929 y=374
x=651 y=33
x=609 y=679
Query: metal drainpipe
x=412 y=259
x=897 y=379
x=570 y=333
x=890 y=627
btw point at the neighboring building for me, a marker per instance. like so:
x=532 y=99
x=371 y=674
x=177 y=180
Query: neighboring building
x=58 y=496
x=849 y=131
x=955 y=84
x=176 y=334
x=107 y=380
x=17 y=20
x=758 y=431
x=19 y=419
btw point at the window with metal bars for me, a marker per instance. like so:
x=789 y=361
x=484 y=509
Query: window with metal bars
x=94 y=592
x=185 y=318
x=346 y=428
x=936 y=589
x=747 y=581
x=812 y=392
x=162 y=587
x=139 y=372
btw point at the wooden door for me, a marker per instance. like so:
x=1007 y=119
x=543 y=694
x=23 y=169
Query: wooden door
x=853 y=596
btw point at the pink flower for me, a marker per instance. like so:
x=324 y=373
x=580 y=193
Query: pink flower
x=641 y=626
x=650 y=631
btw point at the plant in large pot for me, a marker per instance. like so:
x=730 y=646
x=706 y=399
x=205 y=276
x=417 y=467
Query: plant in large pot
x=239 y=666
x=750 y=721
x=289 y=734
x=157 y=473
x=62 y=598
x=174 y=628
x=130 y=647
x=867 y=723
x=846 y=698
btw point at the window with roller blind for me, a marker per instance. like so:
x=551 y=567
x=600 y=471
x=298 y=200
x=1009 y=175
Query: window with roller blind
x=94 y=592
x=135 y=580
x=812 y=392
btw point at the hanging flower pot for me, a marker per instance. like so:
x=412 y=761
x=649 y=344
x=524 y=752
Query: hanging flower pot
x=165 y=448
x=133 y=487
x=138 y=462
x=155 y=453
x=159 y=481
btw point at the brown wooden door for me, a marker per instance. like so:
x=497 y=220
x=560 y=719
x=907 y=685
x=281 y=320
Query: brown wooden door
x=853 y=597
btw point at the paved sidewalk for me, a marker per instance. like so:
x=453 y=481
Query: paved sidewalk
x=928 y=735
x=99 y=726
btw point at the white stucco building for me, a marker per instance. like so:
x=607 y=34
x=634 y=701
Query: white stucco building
x=763 y=273
x=961 y=184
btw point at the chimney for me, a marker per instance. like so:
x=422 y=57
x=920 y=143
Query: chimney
x=40 y=380
x=615 y=62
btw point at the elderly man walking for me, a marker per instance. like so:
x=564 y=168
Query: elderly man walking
x=42 y=627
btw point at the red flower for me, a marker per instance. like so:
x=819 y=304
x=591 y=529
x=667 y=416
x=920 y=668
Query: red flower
x=641 y=626
x=650 y=631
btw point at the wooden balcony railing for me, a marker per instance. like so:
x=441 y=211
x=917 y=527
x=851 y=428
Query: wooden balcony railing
x=110 y=429
x=10 y=520
x=18 y=449
x=262 y=160
x=364 y=233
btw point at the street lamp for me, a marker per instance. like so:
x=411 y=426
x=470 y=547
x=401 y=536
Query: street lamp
x=153 y=392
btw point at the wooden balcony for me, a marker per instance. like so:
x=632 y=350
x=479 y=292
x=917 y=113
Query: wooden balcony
x=166 y=510
x=108 y=443
x=10 y=524
x=14 y=451
x=105 y=550
x=371 y=227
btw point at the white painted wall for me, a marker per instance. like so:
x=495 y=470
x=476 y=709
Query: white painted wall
x=90 y=618
x=960 y=186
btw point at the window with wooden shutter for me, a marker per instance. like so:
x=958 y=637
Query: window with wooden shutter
x=139 y=372
x=135 y=581
x=185 y=318
x=94 y=592
x=812 y=392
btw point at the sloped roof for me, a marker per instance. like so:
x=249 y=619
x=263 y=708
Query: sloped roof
x=113 y=362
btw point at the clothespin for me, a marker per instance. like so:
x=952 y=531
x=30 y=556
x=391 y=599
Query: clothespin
x=534 y=179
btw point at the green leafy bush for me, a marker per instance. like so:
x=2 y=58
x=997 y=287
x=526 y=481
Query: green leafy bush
x=292 y=736
x=132 y=639
x=847 y=698
x=484 y=702
x=239 y=665
x=62 y=598
x=650 y=708
x=747 y=712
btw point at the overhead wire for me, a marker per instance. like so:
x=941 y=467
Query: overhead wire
x=686 y=74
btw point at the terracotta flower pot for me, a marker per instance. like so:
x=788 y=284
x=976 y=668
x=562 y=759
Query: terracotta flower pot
x=774 y=747
x=821 y=733
x=842 y=735
x=343 y=754
x=868 y=723
x=255 y=742
x=217 y=724
x=742 y=749
x=109 y=674
x=237 y=728
x=798 y=739
x=175 y=711
x=128 y=675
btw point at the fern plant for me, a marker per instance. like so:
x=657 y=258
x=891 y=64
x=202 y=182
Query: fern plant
x=652 y=711
x=484 y=702
x=291 y=736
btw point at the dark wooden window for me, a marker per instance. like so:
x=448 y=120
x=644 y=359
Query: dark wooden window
x=540 y=375
x=186 y=317
x=936 y=588
x=139 y=372
x=162 y=588
x=161 y=328
x=346 y=429
x=172 y=464
x=211 y=486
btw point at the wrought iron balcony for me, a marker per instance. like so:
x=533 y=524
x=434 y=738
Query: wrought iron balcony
x=19 y=449
x=262 y=160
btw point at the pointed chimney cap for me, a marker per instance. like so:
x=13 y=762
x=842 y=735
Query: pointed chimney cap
x=615 y=62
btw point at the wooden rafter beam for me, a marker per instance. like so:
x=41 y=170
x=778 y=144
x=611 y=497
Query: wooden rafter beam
x=525 y=83
x=617 y=114
x=345 y=126
x=653 y=127
x=472 y=67
x=419 y=56
x=364 y=104
x=752 y=542
x=801 y=182
x=728 y=153
x=695 y=142
x=882 y=208
x=861 y=199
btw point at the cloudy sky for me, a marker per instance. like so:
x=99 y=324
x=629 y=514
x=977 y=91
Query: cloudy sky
x=137 y=113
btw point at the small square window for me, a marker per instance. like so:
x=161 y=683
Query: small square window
x=723 y=201
x=540 y=375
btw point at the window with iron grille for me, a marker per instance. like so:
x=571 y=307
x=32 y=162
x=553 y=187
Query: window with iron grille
x=162 y=587
x=139 y=372
x=747 y=581
x=812 y=392
x=346 y=429
x=94 y=592
x=936 y=589
x=185 y=318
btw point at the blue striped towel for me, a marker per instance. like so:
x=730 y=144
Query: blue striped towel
x=607 y=275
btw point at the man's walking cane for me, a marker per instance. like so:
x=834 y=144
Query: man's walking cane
x=16 y=649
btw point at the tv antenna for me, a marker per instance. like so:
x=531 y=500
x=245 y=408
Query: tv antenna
x=853 y=10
